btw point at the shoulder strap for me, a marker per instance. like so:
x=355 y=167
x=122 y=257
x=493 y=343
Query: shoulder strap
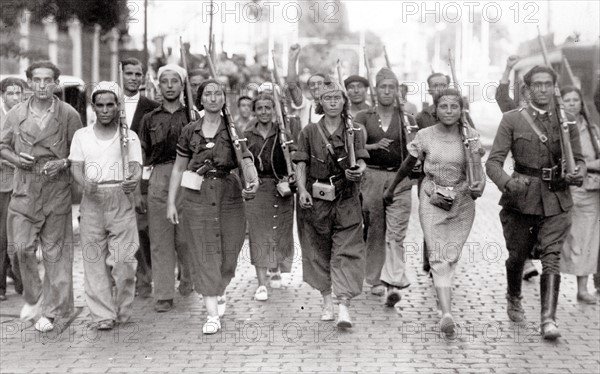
x=543 y=138
x=327 y=143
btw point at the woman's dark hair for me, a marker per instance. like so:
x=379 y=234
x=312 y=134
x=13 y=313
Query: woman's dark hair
x=345 y=110
x=568 y=89
x=262 y=96
x=203 y=86
x=447 y=92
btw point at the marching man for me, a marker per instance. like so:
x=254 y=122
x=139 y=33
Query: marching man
x=109 y=236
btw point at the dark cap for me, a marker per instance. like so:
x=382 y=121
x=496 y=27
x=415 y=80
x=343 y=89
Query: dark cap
x=356 y=78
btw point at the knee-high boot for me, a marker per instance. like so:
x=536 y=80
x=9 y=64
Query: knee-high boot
x=514 y=308
x=549 y=287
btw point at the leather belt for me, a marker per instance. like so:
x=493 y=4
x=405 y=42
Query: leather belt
x=217 y=173
x=384 y=168
x=543 y=173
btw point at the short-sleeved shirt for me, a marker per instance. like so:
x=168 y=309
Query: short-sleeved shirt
x=313 y=151
x=267 y=152
x=159 y=134
x=102 y=158
x=397 y=150
x=218 y=150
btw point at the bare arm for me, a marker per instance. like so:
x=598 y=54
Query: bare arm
x=292 y=75
x=174 y=183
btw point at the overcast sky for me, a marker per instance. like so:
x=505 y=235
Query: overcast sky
x=173 y=17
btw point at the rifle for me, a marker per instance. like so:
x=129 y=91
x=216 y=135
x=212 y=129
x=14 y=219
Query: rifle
x=410 y=130
x=283 y=141
x=150 y=87
x=277 y=80
x=350 y=129
x=584 y=107
x=189 y=97
x=472 y=156
x=568 y=159
x=368 y=68
x=235 y=139
x=123 y=128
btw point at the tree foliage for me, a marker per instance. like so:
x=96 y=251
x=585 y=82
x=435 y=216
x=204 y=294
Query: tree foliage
x=106 y=13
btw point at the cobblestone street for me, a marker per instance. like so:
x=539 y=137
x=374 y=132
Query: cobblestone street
x=285 y=334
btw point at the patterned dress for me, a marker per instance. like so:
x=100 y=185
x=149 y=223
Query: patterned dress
x=445 y=232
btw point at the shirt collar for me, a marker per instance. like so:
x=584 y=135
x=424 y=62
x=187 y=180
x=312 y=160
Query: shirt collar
x=49 y=110
x=538 y=110
x=272 y=131
x=132 y=99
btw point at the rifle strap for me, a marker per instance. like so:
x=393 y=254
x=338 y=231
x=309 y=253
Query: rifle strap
x=542 y=137
x=329 y=147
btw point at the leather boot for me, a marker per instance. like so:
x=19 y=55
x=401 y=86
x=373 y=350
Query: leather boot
x=549 y=286
x=514 y=308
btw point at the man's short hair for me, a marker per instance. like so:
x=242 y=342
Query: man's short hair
x=133 y=61
x=7 y=82
x=536 y=70
x=42 y=64
x=239 y=101
x=434 y=75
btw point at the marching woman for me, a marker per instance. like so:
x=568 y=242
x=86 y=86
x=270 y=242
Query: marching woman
x=213 y=207
x=580 y=251
x=447 y=208
x=270 y=215
x=333 y=249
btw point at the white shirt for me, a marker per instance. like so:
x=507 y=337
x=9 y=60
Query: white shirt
x=102 y=158
x=130 y=107
x=306 y=112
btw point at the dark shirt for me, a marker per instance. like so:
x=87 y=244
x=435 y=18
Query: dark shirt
x=313 y=151
x=144 y=106
x=159 y=133
x=397 y=149
x=193 y=145
x=503 y=99
x=425 y=117
x=267 y=152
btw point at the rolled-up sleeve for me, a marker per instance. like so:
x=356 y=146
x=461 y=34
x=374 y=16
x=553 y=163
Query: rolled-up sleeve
x=183 y=145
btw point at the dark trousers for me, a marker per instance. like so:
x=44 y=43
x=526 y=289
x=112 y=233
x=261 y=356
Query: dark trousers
x=5 y=263
x=523 y=232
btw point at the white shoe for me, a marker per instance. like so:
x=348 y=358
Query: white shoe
x=31 y=311
x=261 y=294
x=275 y=280
x=211 y=326
x=44 y=325
x=343 y=320
x=221 y=305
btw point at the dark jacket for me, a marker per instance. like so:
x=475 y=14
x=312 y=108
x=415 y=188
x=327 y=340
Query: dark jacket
x=516 y=135
x=144 y=106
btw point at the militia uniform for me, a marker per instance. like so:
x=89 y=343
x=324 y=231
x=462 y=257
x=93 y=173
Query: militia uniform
x=538 y=216
x=159 y=133
x=333 y=250
x=270 y=216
